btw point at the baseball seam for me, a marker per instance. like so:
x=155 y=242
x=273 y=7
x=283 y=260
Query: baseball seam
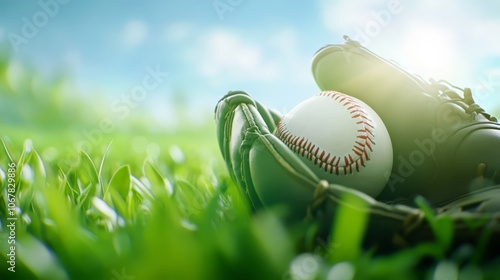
x=340 y=165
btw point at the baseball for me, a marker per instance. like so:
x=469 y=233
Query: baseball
x=341 y=139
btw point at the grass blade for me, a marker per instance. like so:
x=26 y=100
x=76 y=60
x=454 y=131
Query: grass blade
x=441 y=226
x=348 y=229
x=120 y=182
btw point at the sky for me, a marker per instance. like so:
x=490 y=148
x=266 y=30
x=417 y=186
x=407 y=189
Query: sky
x=201 y=49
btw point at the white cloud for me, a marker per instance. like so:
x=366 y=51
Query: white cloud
x=226 y=53
x=271 y=62
x=135 y=33
x=345 y=15
x=178 y=32
x=285 y=41
x=223 y=54
x=295 y=64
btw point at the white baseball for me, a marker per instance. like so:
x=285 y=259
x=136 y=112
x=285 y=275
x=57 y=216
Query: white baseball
x=341 y=139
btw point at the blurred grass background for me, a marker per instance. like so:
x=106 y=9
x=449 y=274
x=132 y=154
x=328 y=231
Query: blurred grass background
x=139 y=203
x=134 y=203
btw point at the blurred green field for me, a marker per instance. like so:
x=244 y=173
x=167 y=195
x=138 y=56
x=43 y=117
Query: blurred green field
x=143 y=204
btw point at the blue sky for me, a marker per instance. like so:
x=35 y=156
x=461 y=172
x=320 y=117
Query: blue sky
x=262 y=47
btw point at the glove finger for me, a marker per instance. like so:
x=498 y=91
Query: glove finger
x=255 y=158
x=481 y=201
x=279 y=177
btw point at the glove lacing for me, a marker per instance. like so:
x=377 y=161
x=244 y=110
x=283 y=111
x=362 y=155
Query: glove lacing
x=319 y=197
x=445 y=88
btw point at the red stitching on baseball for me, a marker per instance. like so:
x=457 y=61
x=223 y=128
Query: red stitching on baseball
x=361 y=150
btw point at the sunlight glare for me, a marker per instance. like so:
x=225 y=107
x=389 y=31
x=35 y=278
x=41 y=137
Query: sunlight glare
x=430 y=50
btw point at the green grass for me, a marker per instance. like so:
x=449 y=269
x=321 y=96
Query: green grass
x=177 y=215
x=144 y=205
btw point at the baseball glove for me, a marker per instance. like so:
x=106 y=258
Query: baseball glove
x=445 y=145
x=270 y=174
